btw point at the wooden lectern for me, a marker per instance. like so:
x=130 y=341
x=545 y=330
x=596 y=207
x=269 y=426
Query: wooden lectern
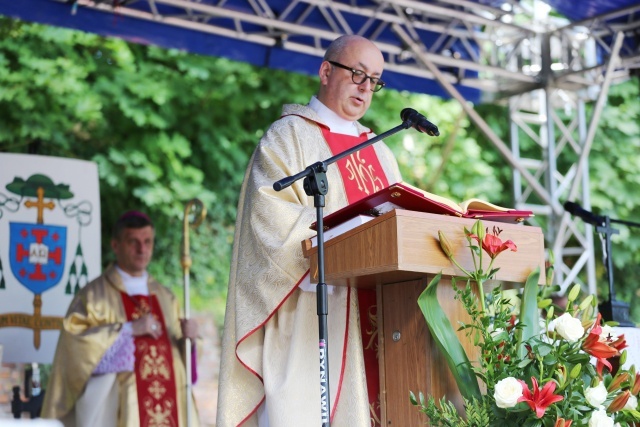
x=398 y=254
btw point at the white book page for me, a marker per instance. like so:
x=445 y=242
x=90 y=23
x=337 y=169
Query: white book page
x=343 y=228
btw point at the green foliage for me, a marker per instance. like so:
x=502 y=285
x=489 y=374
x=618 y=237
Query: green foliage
x=165 y=126
x=618 y=144
x=445 y=414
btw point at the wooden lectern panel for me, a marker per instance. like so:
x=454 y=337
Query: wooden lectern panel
x=410 y=359
x=405 y=364
x=403 y=245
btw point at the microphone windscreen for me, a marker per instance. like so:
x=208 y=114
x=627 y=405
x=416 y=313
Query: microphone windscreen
x=407 y=114
x=569 y=206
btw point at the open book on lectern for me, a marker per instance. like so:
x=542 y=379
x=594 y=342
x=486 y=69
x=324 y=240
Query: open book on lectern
x=404 y=196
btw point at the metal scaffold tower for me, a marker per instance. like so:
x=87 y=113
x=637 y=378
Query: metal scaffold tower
x=576 y=64
x=572 y=65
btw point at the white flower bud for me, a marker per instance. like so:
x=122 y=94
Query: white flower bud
x=569 y=328
x=596 y=395
x=507 y=392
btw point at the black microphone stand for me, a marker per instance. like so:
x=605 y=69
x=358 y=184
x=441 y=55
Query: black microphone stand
x=315 y=184
x=612 y=309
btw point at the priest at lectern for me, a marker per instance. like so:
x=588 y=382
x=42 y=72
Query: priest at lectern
x=270 y=360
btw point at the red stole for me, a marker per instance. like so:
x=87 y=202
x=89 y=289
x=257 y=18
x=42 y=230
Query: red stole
x=155 y=381
x=361 y=171
x=362 y=175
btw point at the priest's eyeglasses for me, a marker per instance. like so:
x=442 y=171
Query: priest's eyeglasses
x=359 y=76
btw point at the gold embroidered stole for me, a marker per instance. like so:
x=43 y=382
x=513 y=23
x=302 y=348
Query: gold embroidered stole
x=363 y=175
x=155 y=380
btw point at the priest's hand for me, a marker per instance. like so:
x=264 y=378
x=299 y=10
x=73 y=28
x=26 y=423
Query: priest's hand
x=146 y=325
x=189 y=329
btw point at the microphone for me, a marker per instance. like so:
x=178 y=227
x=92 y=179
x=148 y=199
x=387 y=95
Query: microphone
x=575 y=209
x=419 y=122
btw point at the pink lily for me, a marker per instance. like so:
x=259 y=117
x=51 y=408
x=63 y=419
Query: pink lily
x=539 y=400
x=493 y=245
x=602 y=349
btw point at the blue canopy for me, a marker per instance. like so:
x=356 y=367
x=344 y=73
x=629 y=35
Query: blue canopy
x=291 y=35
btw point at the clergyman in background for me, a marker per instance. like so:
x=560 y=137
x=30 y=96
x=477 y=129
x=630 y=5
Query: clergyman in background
x=119 y=360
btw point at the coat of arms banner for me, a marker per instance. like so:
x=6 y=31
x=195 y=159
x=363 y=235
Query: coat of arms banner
x=49 y=248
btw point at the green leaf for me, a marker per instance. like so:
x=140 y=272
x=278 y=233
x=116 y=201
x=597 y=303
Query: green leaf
x=529 y=316
x=544 y=349
x=447 y=341
x=524 y=362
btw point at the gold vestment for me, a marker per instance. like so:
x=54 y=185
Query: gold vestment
x=90 y=327
x=270 y=341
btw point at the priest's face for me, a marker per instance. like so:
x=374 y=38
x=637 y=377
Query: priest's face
x=133 y=249
x=338 y=91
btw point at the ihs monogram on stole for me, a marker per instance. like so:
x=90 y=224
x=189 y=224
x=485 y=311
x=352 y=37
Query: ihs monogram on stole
x=363 y=174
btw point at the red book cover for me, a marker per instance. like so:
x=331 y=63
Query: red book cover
x=405 y=196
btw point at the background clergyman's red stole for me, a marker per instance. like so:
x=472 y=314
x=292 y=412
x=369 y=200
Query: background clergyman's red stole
x=155 y=381
x=362 y=175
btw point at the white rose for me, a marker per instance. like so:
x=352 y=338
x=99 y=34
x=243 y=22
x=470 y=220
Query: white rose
x=599 y=418
x=596 y=395
x=569 y=327
x=507 y=392
x=632 y=403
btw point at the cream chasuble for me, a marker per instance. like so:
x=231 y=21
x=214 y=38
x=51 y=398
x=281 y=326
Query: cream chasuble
x=90 y=327
x=270 y=342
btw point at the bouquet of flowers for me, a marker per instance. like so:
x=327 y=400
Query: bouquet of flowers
x=539 y=365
